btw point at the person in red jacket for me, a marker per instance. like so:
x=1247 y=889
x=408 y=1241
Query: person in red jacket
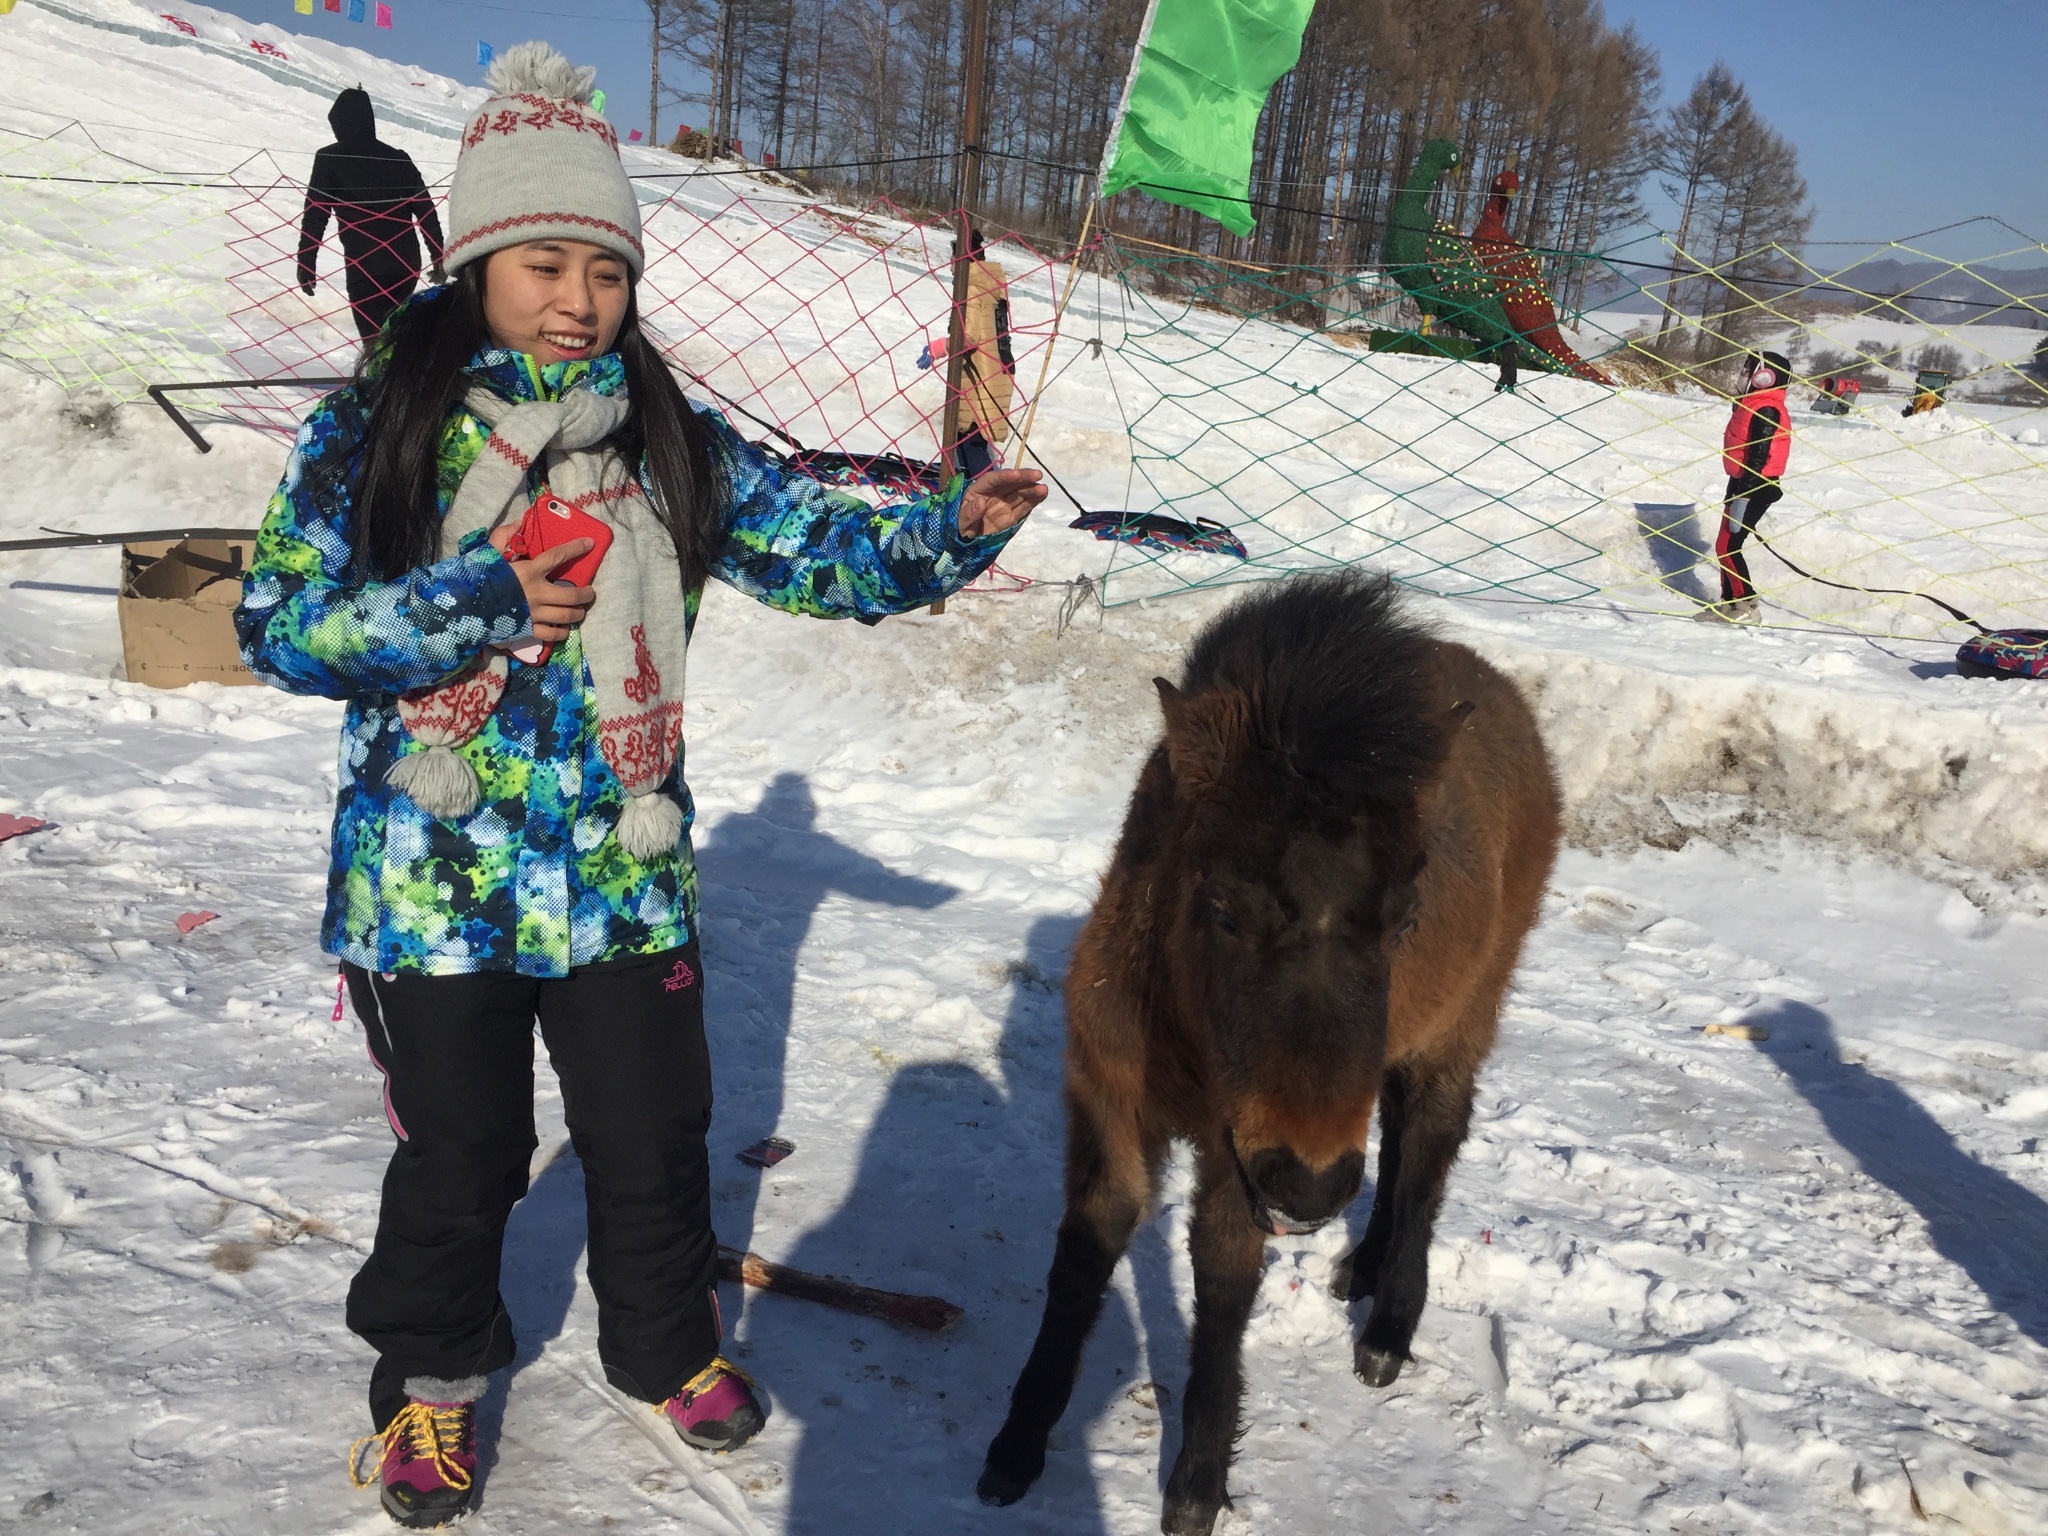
x=1753 y=451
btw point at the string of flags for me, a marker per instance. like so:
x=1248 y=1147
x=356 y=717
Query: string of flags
x=356 y=10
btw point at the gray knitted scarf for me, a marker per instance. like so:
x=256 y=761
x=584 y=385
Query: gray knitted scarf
x=634 y=642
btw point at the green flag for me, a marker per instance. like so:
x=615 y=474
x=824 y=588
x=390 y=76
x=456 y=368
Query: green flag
x=1192 y=102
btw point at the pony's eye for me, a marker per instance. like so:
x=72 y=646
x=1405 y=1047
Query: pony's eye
x=1220 y=916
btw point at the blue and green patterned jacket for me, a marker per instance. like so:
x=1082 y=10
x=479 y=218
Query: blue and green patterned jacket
x=532 y=881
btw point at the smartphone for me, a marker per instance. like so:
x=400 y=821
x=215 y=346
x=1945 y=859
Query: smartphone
x=548 y=523
x=767 y=1152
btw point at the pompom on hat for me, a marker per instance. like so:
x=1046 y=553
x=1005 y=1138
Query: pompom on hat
x=538 y=163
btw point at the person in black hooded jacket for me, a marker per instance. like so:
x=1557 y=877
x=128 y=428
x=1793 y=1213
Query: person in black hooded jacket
x=375 y=193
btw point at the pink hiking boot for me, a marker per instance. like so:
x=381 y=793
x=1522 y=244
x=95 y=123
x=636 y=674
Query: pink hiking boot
x=718 y=1409
x=428 y=1463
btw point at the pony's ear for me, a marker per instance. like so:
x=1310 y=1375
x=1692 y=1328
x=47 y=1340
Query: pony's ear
x=1202 y=729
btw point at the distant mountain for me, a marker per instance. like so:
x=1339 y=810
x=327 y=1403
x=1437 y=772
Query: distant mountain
x=1927 y=291
x=1948 y=295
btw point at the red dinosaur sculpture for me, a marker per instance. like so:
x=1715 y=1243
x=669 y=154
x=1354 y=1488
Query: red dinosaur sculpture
x=1518 y=280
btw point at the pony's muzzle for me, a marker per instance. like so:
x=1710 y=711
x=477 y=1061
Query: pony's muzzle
x=1273 y=1224
x=1287 y=1198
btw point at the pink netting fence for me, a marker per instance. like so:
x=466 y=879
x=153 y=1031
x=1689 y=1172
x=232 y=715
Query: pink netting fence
x=805 y=319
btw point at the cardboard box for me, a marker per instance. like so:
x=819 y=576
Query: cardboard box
x=177 y=611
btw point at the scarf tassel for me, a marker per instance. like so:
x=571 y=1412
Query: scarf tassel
x=440 y=783
x=650 y=826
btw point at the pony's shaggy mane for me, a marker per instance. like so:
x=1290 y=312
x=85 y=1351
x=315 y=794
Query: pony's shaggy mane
x=1337 y=679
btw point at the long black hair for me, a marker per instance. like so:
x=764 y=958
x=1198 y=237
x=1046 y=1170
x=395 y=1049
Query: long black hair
x=416 y=380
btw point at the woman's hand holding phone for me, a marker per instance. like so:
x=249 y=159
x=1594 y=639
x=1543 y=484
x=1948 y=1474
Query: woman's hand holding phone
x=553 y=607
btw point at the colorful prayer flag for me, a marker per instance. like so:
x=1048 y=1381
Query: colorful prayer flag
x=633 y=137
x=303 y=7
x=484 y=54
x=1203 y=68
x=383 y=15
x=334 y=6
x=355 y=10
x=6 y=6
x=597 y=102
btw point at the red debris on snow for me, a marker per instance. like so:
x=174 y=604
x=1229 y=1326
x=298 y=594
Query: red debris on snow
x=14 y=826
x=268 y=50
x=189 y=920
x=181 y=24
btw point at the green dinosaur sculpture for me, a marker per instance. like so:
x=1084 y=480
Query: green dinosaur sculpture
x=1436 y=265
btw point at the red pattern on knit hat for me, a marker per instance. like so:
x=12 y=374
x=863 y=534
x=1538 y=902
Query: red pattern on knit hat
x=578 y=219
x=542 y=113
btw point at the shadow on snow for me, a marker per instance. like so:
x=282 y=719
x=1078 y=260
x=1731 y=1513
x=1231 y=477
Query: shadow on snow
x=1992 y=1228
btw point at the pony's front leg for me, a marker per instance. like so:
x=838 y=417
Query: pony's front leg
x=1228 y=1255
x=1108 y=1183
x=1436 y=1109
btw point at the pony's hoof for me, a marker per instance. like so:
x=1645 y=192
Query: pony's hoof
x=1377 y=1367
x=999 y=1488
x=1195 y=1495
x=1340 y=1278
x=1188 y=1516
x=1007 y=1475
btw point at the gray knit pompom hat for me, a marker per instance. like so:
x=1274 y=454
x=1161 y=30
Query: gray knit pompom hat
x=537 y=163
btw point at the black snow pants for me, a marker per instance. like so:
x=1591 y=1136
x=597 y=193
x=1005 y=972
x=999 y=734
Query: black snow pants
x=627 y=1041
x=376 y=288
x=1748 y=500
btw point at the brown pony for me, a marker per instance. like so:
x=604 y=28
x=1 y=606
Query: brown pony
x=1321 y=890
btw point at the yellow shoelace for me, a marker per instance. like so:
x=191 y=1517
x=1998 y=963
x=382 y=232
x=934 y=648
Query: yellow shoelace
x=427 y=1429
x=707 y=1378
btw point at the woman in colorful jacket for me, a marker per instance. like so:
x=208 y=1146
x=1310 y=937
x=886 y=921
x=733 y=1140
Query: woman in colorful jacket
x=511 y=837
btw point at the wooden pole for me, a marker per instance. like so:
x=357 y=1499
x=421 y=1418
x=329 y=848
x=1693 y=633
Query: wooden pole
x=967 y=189
x=1045 y=358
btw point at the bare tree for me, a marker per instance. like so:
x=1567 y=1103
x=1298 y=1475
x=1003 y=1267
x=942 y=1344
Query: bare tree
x=1691 y=154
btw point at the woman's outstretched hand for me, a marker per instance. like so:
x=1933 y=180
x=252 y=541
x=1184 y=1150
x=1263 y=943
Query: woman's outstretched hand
x=552 y=607
x=1000 y=499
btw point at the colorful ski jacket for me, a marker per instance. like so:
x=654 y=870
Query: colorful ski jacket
x=531 y=881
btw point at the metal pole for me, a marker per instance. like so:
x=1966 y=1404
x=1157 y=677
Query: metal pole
x=967 y=187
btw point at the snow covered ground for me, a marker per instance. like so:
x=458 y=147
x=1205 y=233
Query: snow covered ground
x=1683 y=1282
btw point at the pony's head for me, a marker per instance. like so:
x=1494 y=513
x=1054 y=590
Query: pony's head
x=1297 y=747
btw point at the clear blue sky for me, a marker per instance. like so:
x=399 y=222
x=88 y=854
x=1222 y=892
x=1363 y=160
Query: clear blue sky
x=442 y=35
x=1907 y=113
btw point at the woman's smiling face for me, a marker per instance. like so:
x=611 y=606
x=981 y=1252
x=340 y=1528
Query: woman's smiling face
x=556 y=300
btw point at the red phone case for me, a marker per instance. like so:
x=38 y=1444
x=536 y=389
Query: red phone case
x=550 y=522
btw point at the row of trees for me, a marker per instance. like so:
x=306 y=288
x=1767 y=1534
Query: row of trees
x=1742 y=211
x=872 y=88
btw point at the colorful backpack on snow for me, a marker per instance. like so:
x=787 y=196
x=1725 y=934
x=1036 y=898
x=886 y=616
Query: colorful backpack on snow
x=2005 y=653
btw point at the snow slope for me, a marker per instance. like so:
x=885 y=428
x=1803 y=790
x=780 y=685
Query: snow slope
x=1682 y=1282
